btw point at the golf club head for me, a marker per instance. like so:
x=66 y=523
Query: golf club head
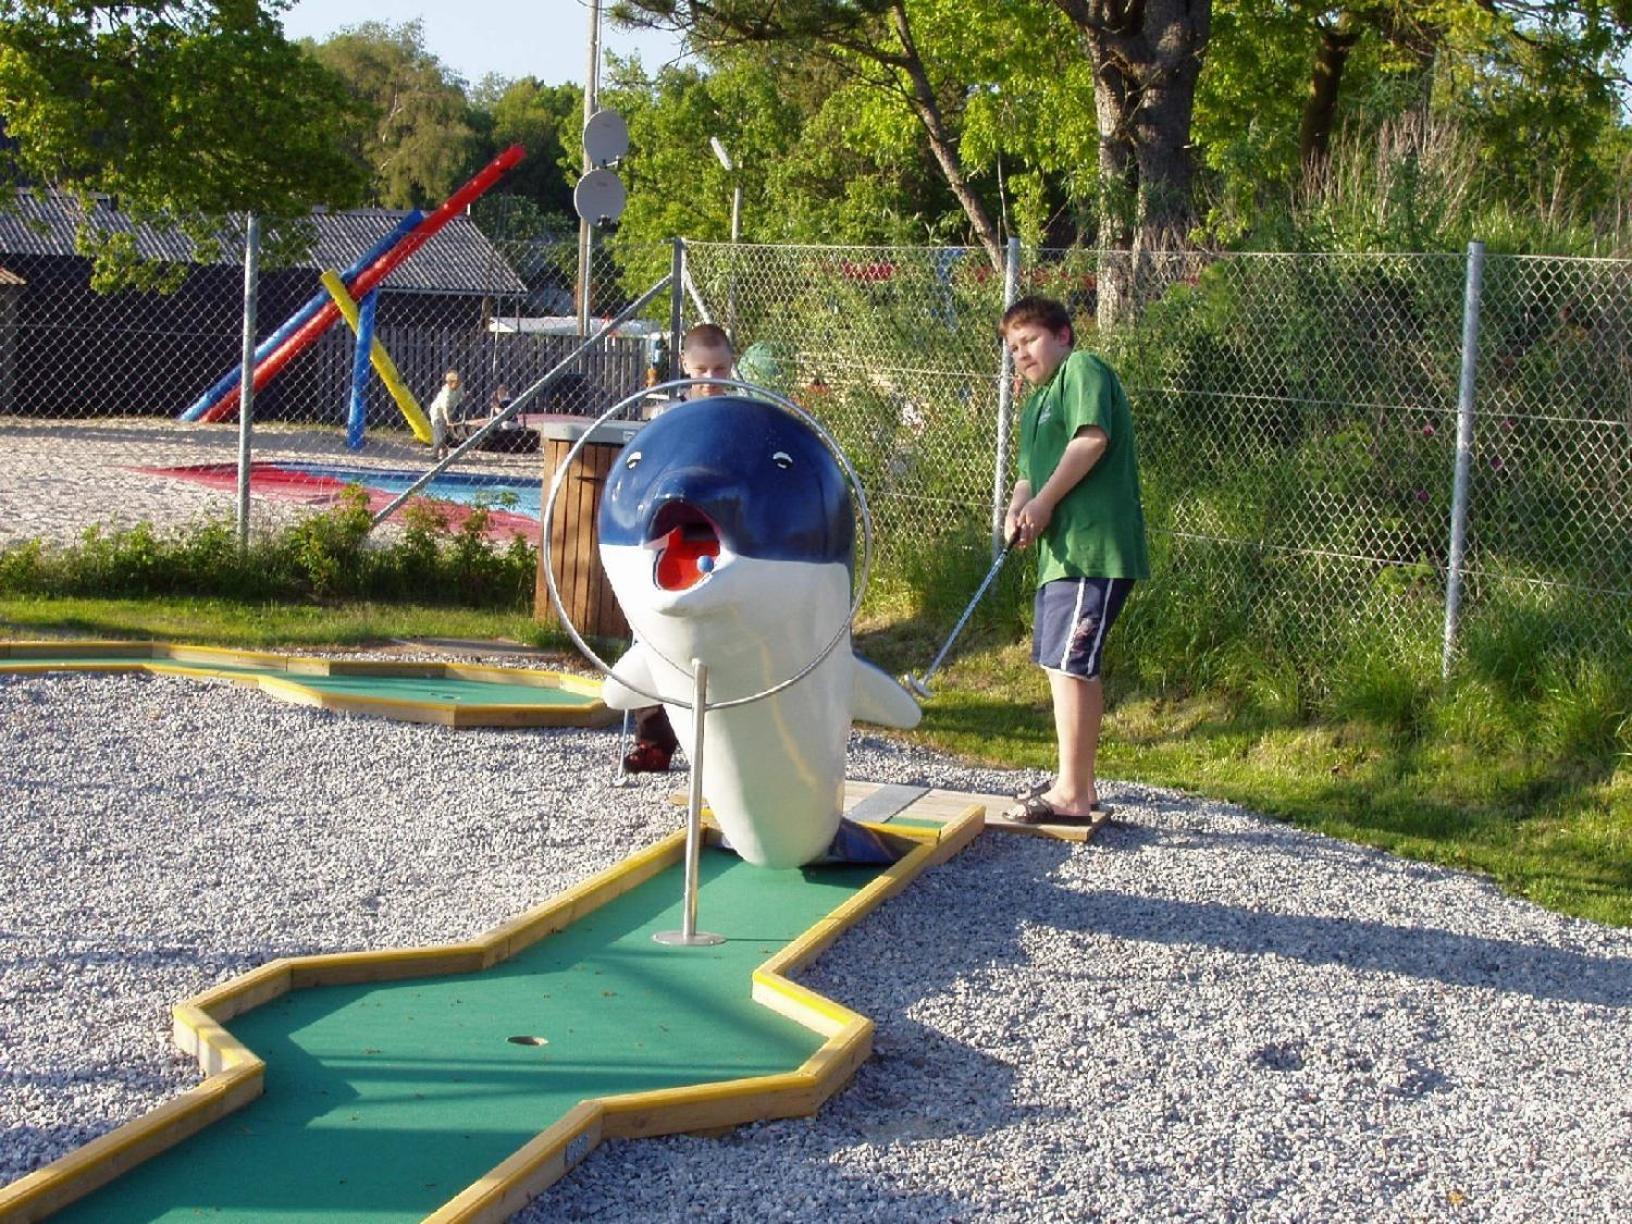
x=916 y=687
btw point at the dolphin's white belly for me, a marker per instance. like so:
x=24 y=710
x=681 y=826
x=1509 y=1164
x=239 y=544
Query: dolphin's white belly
x=773 y=769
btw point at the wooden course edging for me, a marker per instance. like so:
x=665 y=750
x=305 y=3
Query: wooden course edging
x=235 y=1074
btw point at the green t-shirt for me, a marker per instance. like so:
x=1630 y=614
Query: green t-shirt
x=1098 y=528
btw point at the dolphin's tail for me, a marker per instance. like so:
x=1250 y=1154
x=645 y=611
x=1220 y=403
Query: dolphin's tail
x=856 y=843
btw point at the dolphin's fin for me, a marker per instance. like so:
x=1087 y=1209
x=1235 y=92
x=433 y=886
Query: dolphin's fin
x=876 y=698
x=636 y=667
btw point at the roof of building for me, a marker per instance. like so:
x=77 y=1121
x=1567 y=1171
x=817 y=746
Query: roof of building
x=457 y=259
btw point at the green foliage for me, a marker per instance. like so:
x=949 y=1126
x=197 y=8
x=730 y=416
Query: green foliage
x=148 y=103
x=547 y=121
x=853 y=107
x=1454 y=120
x=325 y=556
x=412 y=129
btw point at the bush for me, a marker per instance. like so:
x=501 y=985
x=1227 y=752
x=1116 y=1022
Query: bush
x=327 y=555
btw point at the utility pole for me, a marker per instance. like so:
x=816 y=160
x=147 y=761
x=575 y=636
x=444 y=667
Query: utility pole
x=586 y=240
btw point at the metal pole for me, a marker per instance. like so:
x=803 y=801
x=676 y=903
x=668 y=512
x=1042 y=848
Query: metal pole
x=1005 y=401
x=736 y=237
x=246 y=373
x=592 y=88
x=688 y=935
x=1464 y=452
x=677 y=302
x=517 y=404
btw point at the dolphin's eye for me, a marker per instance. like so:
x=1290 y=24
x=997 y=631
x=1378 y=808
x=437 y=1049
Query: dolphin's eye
x=782 y=460
x=633 y=461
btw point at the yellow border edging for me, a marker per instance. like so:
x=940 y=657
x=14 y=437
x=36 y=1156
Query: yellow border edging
x=164 y=658
x=236 y=1075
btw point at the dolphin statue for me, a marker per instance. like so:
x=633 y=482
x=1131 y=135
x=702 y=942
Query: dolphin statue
x=727 y=534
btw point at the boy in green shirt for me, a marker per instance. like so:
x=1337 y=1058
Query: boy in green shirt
x=1077 y=499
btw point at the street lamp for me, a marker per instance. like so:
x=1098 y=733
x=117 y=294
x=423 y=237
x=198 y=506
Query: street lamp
x=736 y=187
x=736 y=232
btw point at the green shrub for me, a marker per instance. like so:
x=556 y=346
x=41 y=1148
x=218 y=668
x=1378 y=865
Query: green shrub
x=327 y=555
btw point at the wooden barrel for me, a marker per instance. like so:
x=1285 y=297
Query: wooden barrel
x=574 y=542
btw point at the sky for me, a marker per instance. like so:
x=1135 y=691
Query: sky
x=547 y=39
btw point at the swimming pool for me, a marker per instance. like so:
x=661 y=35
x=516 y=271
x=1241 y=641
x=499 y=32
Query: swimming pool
x=519 y=496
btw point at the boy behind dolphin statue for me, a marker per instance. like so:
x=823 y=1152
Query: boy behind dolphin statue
x=727 y=532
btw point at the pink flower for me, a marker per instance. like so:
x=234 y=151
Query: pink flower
x=1496 y=463
x=1429 y=431
x=1507 y=424
x=1422 y=495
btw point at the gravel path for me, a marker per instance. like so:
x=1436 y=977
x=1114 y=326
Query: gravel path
x=58 y=478
x=1201 y=1015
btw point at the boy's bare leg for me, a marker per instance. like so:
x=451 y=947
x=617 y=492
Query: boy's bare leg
x=1079 y=707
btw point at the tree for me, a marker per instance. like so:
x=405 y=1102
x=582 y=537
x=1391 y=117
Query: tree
x=184 y=112
x=872 y=42
x=1145 y=55
x=1532 y=86
x=546 y=121
x=819 y=158
x=415 y=136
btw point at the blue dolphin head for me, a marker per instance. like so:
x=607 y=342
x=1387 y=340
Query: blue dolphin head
x=753 y=476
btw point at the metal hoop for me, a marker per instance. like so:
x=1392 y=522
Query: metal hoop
x=787 y=405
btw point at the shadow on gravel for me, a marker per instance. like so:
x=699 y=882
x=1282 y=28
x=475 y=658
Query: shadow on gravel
x=24 y=1147
x=1504 y=965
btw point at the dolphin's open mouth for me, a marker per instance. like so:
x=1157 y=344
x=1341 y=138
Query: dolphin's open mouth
x=687 y=545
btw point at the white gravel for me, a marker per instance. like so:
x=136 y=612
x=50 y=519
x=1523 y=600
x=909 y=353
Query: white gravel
x=1200 y=1015
x=58 y=478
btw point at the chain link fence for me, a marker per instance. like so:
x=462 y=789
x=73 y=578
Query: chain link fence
x=1297 y=414
x=1297 y=418
x=895 y=350
x=96 y=388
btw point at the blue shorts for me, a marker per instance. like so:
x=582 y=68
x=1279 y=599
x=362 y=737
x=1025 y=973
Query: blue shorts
x=1070 y=620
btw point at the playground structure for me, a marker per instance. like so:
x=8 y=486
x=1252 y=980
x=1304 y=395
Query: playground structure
x=450 y=694
x=319 y=313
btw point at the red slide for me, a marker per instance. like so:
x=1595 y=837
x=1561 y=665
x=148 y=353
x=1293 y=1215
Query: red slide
x=372 y=276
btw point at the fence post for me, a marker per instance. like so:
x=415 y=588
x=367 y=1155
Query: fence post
x=677 y=301
x=1464 y=452
x=246 y=376
x=1005 y=401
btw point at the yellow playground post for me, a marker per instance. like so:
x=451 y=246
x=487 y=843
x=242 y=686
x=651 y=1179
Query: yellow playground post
x=383 y=365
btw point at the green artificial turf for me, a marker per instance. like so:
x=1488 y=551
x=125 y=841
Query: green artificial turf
x=387 y=688
x=384 y=1101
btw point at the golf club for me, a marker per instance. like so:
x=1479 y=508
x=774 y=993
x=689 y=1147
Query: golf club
x=621 y=778
x=919 y=685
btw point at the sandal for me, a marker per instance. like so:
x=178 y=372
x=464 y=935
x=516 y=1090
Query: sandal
x=1035 y=810
x=647 y=757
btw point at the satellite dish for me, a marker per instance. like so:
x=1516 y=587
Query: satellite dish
x=606 y=137
x=599 y=196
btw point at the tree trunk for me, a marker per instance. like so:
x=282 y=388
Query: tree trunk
x=1320 y=111
x=942 y=143
x=1118 y=196
x=1147 y=56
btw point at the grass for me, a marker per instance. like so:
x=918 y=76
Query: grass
x=1546 y=820
x=1536 y=793
x=228 y=622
